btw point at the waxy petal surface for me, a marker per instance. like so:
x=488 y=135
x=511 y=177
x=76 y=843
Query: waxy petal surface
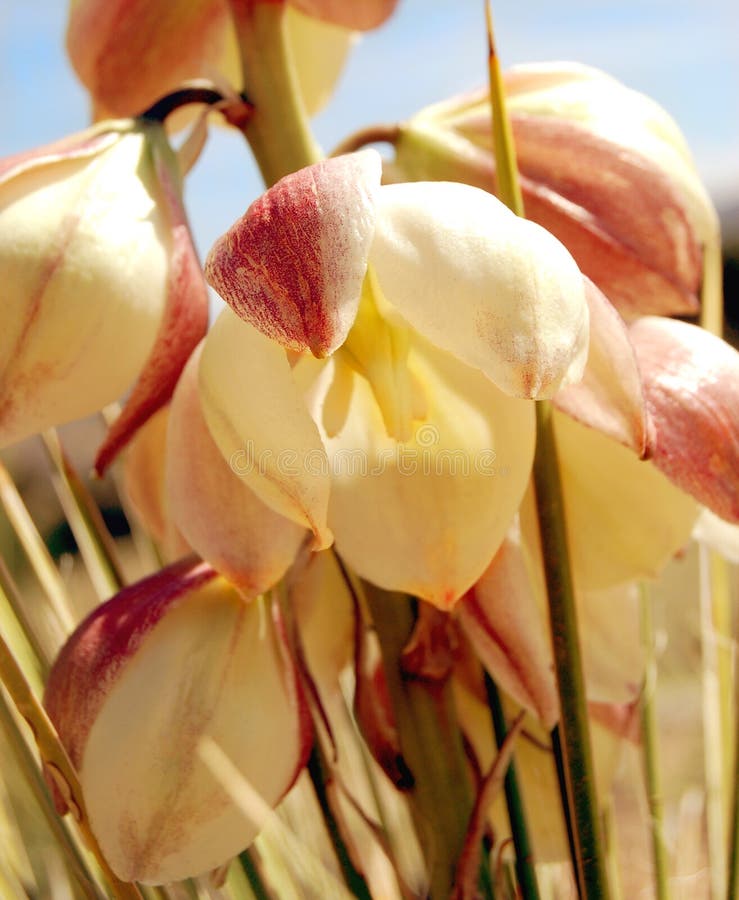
x=257 y=418
x=166 y=663
x=610 y=396
x=691 y=383
x=221 y=517
x=625 y=520
x=426 y=516
x=84 y=260
x=293 y=266
x=493 y=289
x=505 y=625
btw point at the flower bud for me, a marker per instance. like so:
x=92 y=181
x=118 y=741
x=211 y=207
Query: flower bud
x=149 y=681
x=101 y=282
x=602 y=167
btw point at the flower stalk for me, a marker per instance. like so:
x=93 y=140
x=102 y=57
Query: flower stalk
x=277 y=129
x=590 y=861
x=441 y=795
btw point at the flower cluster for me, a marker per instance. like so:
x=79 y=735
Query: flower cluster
x=366 y=323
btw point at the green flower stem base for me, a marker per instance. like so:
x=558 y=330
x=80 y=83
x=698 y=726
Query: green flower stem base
x=277 y=129
x=430 y=741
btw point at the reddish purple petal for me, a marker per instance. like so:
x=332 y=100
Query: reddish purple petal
x=691 y=383
x=293 y=265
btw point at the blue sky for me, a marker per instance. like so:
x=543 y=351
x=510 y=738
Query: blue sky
x=684 y=53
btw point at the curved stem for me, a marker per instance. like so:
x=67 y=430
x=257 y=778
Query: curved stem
x=373 y=134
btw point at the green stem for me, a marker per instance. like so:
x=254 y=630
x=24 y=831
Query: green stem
x=580 y=780
x=441 y=797
x=277 y=129
x=525 y=868
x=649 y=745
x=577 y=753
x=320 y=776
x=253 y=875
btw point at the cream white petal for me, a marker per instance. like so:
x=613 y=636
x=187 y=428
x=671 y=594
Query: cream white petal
x=257 y=417
x=426 y=516
x=498 y=291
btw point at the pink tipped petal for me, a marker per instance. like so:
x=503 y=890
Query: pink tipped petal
x=691 y=383
x=426 y=515
x=129 y=53
x=257 y=418
x=221 y=517
x=504 y=623
x=638 y=204
x=626 y=277
x=76 y=146
x=361 y=15
x=293 y=266
x=183 y=325
x=498 y=292
x=609 y=397
x=169 y=662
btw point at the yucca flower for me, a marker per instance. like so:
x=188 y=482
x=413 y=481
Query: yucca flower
x=129 y=53
x=102 y=286
x=384 y=324
x=602 y=167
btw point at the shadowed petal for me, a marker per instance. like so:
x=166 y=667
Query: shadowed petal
x=257 y=417
x=222 y=518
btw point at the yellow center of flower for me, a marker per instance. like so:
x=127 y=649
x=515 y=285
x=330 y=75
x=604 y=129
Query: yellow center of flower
x=377 y=349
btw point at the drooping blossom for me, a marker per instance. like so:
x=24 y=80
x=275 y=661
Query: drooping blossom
x=129 y=53
x=169 y=666
x=603 y=168
x=419 y=320
x=102 y=286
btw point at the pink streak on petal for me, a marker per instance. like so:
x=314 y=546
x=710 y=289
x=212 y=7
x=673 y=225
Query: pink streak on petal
x=89 y=663
x=76 y=146
x=626 y=277
x=183 y=325
x=501 y=619
x=628 y=195
x=691 y=383
x=610 y=396
x=293 y=265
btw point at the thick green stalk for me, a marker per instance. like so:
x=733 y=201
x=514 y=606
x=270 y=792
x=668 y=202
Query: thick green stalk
x=525 y=867
x=580 y=779
x=277 y=129
x=590 y=862
x=650 y=750
x=441 y=797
